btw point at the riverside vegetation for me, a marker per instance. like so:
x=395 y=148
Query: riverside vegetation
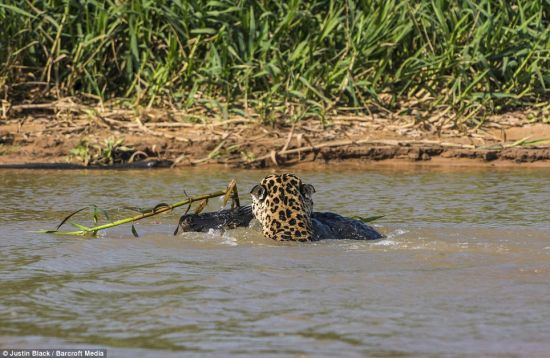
x=272 y=60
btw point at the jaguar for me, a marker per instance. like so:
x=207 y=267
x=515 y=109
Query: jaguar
x=283 y=205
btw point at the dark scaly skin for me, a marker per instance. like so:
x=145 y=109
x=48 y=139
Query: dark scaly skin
x=223 y=219
x=326 y=226
x=333 y=226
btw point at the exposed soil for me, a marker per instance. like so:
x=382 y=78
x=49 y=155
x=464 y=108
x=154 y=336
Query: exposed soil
x=44 y=136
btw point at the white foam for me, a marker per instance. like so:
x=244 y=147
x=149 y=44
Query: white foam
x=396 y=233
x=385 y=242
x=229 y=240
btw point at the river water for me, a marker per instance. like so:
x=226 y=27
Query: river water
x=464 y=270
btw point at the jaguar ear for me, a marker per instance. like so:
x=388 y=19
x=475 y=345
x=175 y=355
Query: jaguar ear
x=258 y=192
x=307 y=190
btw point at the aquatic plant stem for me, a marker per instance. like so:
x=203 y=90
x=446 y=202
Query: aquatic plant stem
x=93 y=230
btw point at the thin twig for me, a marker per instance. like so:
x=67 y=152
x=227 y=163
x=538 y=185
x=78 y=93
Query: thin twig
x=290 y=134
x=159 y=134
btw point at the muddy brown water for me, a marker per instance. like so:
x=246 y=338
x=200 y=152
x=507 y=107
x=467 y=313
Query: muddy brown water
x=464 y=270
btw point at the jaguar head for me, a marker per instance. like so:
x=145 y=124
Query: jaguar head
x=283 y=205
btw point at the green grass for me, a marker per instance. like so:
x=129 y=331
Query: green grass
x=110 y=151
x=280 y=59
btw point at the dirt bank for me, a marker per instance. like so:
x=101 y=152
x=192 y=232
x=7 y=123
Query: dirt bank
x=49 y=137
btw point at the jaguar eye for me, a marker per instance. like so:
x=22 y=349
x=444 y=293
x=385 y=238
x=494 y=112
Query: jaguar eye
x=258 y=192
x=307 y=190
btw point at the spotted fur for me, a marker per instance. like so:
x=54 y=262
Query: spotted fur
x=283 y=206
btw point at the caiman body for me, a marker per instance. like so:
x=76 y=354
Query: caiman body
x=325 y=225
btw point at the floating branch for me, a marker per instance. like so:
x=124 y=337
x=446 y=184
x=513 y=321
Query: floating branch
x=230 y=192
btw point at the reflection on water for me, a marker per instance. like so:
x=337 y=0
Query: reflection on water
x=465 y=268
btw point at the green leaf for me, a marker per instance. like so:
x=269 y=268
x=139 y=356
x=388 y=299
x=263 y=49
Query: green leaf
x=18 y=10
x=106 y=214
x=205 y=30
x=95 y=214
x=68 y=217
x=134 y=231
x=367 y=219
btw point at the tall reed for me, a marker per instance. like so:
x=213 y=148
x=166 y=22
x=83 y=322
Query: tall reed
x=279 y=58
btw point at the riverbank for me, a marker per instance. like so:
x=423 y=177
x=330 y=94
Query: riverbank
x=118 y=136
x=219 y=83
